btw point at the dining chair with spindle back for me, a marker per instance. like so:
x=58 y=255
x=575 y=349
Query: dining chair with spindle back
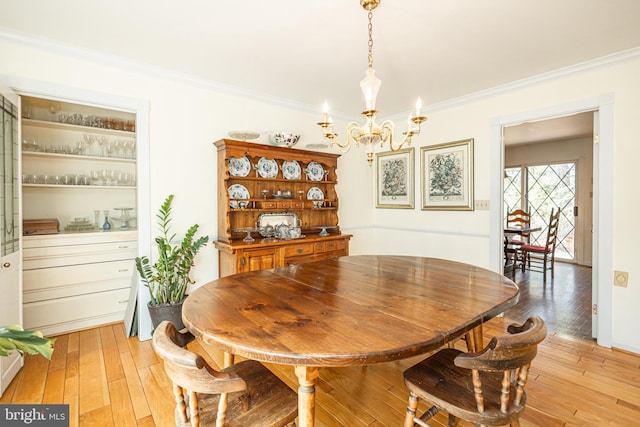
x=243 y=394
x=485 y=388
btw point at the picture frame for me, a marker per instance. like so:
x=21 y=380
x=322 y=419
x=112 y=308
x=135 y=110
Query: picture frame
x=395 y=179
x=447 y=176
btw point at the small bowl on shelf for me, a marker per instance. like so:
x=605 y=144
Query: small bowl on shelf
x=284 y=139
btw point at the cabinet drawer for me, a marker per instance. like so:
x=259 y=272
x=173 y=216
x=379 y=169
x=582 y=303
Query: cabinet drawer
x=58 y=256
x=298 y=250
x=58 y=282
x=66 y=314
x=320 y=247
x=268 y=205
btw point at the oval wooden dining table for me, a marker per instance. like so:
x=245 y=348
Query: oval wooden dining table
x=352 y=310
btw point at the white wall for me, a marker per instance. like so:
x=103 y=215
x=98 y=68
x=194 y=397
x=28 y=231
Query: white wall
x=185 y=118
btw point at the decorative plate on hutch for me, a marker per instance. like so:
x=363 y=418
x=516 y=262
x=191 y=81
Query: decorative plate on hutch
x=239 y=166
x=267 y=168
x=315 y=193
x=314 y=171
x=237 y=191
x=291 y=170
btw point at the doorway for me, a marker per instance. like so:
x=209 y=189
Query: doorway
x=602 y=260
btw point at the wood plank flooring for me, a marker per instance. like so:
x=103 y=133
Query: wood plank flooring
x=109 y=379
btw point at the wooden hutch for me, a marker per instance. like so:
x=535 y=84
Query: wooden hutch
x=307 y=192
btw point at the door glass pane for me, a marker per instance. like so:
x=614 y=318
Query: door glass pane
x=553 y=186
x=9 y=163
x=512 y=191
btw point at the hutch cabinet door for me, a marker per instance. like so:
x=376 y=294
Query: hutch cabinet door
x=258 y=259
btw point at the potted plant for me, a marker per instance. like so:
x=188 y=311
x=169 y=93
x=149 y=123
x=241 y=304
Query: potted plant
x=13 y=337
x=168 y=278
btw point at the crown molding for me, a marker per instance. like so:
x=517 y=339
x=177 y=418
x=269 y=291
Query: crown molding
x=140 y=67
x=604 y=61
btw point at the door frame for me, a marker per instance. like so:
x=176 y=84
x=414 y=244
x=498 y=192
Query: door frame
x=602 y=266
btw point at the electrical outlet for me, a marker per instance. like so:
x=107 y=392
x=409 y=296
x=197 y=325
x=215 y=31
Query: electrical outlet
x=620 y=278
x=482 y=205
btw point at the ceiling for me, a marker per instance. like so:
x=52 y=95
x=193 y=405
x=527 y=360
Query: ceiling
x=306 y=52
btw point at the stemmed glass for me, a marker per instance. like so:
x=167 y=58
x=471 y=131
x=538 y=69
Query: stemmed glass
x=88 y=140
x=103 y=141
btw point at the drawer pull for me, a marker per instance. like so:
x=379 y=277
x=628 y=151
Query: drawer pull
x=123 y=301
x=6 y=265
x=123 y=270
x=299 y=250
x=123 y=247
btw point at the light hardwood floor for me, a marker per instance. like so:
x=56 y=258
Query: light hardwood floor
x=109 y=379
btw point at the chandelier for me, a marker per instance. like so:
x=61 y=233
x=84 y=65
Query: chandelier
x=371 y=133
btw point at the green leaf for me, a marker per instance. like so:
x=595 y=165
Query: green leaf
x=13 y=337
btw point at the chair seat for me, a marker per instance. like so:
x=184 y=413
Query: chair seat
x=438 y=381
x=533 y=248
x=267 y=402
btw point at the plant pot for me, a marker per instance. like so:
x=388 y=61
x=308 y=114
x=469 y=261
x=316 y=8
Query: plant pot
x=170 y=312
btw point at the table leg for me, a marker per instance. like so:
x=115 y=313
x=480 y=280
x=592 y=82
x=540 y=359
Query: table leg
x=307 y=377
x=478 y=338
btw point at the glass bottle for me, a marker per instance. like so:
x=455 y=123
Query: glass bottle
x=106 y=226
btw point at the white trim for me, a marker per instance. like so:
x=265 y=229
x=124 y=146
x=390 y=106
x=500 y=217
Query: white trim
x=66 y=49
x=83 y=54
x=602 y=198
x=425 y=230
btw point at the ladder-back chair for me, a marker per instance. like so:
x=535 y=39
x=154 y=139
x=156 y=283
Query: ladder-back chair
x=542 y=258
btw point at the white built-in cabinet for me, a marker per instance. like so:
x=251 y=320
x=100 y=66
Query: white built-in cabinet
x=79 y=168
x=74 y=281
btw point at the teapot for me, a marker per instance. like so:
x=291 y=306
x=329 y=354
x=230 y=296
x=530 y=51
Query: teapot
x=282 y=231
x=295 y=232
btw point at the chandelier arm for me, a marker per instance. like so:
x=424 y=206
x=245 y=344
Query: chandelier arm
x=343 y=146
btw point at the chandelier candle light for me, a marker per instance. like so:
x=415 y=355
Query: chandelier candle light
x=371 y=133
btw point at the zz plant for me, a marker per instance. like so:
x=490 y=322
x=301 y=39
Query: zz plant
x=168 y=278
x=13 y=337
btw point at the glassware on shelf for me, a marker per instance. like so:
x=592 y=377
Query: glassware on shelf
x=106 y=226
x=96 y=217
x=248 y=238
x=124 y=217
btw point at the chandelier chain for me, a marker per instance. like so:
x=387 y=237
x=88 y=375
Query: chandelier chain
x=371 y=133
x=370 y=54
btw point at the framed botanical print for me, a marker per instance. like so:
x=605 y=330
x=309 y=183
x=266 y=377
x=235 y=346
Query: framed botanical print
x=447 y=176
x=395 y=179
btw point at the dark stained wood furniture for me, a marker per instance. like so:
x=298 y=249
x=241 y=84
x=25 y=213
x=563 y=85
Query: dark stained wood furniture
x=512 y=245
x=235 y=216
x=244 y=394
x=542 y=258
x=345 y=311
x=485 y=388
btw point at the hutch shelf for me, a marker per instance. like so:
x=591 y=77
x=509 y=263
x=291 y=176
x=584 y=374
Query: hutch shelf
x=258 y=181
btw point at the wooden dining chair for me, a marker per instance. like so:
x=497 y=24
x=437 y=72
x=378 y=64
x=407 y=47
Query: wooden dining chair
x=243 y=394
x=518 y=218
x=542 y=258
x=485 y=388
